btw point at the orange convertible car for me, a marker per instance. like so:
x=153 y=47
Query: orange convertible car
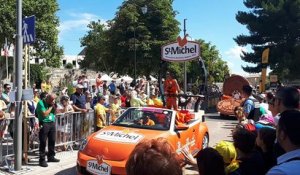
x=105 y=152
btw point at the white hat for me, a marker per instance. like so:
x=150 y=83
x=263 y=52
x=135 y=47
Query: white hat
x=79 y=86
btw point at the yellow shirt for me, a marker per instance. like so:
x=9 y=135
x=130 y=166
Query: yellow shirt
x=150 y=123
x=100 y=112
x=150 y=102
x=157 y=102
x=115 y=107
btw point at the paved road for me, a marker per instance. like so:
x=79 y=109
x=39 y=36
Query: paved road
x=219 y=129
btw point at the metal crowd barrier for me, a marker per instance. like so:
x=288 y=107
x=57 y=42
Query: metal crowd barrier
x=6 y=140
x=71 y=128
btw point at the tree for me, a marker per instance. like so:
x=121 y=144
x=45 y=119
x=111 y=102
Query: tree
x=216 y=67
x=131 y=31
x=96 y=50
x=69 y=66
x=47 y=22
x=38 y=73
x=272 y=24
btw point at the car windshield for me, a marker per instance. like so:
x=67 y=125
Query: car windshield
x=146 y=118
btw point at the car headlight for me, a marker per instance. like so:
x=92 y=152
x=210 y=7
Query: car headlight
x=82 y=144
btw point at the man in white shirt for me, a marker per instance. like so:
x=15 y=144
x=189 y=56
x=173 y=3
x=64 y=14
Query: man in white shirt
x=288 y=136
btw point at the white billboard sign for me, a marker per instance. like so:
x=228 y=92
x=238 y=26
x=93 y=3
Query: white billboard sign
x=178 y=53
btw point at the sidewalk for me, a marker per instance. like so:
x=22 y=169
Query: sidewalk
x=66 y=166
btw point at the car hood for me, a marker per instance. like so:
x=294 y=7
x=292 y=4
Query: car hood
x=115 y=143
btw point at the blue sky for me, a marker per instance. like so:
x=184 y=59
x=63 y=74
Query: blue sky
x=211 y=20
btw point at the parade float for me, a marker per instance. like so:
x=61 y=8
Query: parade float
x=232 y=90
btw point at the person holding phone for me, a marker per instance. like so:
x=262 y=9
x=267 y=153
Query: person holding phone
x=46 y=113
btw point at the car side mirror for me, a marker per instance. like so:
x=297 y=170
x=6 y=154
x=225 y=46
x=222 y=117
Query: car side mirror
x=181 y=127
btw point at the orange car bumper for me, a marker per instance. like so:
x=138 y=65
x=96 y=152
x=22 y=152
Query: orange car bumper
x=117 y=167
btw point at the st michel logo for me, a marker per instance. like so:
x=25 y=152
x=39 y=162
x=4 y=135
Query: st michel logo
x=182 y=50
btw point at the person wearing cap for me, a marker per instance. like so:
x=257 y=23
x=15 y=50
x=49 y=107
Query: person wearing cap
x=101 y=111
x=171 y=89
x=36 y=95
x=79 y=99
x=64 y=106
x=229 y=154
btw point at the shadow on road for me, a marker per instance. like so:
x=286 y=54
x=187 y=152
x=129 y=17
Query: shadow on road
x=222 y=117
x=69 y=171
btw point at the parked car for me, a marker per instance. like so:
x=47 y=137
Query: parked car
x=106 y=151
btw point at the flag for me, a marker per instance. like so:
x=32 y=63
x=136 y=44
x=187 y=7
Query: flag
x=5 y=49
x=4 y=52
x=265 y=56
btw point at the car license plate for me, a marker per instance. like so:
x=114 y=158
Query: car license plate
x=100 y=169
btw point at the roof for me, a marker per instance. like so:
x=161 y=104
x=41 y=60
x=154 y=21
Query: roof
x=82 y=52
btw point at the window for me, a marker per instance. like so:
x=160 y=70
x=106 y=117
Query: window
x=64 y=62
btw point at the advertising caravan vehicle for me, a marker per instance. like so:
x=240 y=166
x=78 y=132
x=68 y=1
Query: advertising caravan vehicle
x=231 y=87
x=107 y=151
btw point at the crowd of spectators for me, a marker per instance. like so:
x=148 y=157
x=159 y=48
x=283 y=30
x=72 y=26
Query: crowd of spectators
x=266 y=140
x=271 y=146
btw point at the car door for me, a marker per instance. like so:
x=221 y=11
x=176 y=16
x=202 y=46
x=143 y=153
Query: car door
x=187 y=138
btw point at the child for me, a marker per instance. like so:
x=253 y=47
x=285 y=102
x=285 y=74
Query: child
x=239 y=113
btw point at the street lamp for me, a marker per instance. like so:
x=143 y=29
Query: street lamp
x=144 y=11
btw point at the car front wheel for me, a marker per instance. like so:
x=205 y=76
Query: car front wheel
x=205 y=141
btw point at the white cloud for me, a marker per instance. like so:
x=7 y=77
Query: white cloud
x=230 y=64
x=235 y=52
x=80 y=21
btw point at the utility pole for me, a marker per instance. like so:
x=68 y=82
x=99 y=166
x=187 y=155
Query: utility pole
x=185 y=77
x=6 y=55
x=25 y=103
x=18 y=85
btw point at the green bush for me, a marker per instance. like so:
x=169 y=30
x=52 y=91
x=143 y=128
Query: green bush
x=69 y=66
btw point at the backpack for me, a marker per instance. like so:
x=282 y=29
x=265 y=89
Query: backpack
x=255 y=112
x=247 y=126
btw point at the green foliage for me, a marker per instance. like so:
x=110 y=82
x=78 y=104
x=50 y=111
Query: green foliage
x=38 y=73
x=47 y=22
x=272 y=24
x=69 y=66
x=95 y=44
x=216 y=67
x=113 y=49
